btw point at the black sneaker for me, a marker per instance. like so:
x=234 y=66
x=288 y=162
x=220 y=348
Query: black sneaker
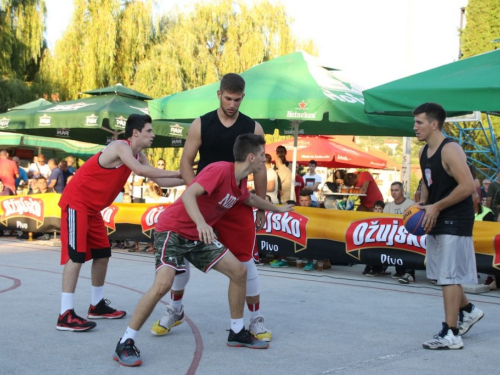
x=245 y=339
x=103 y=311
x=127 y=354
x=69 y=321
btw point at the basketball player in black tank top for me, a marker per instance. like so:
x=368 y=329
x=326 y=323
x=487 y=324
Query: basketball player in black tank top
x=446 y=197
x=213 y=136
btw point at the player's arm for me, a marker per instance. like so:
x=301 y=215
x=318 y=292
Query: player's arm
x=260 y=181
x=161 y=181
x=455 y=163
x=255 y=201
x=424 y=193
x=141 y=167
x=191 y=147
x=205 y=231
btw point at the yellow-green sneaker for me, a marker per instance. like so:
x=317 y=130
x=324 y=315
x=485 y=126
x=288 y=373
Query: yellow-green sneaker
x=257 y=329
x=170 y=318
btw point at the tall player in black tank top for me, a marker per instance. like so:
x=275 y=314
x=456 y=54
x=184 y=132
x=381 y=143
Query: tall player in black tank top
x=213 y=136
x=449 y=216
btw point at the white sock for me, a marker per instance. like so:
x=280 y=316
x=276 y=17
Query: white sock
x=66 y=302
x=97 y=294
x=237 y=325
x=129 y=334
x=176 y=305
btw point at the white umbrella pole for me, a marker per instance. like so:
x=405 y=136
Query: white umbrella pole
x=405 y=170
x=295 y=125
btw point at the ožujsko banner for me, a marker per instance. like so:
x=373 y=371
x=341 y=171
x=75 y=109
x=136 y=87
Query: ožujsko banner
x=341 y=236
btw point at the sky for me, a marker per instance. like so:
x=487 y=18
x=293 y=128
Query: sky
x=373 y=41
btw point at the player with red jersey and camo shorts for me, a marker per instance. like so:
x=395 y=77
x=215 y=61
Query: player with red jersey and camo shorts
x=83 y=234
x=213 y=135
x=184 y=233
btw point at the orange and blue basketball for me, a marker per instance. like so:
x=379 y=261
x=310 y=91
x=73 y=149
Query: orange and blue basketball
x=412 y=220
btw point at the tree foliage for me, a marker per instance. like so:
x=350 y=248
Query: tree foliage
x=482 y=27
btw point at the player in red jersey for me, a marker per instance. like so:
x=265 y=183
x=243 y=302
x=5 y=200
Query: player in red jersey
x=185 y=231
x=83 y=235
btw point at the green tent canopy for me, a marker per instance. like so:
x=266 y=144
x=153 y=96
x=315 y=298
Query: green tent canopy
x=464 y=86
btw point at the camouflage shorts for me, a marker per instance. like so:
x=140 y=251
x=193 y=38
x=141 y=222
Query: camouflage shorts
x=171 y=249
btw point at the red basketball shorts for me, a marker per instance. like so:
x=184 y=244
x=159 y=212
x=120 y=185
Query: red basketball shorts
x=83 y=235
x=236 y=230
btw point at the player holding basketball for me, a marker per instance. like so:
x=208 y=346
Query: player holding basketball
x=185 y=233
x=83 y=234
x=213 y=135
x=446 y=198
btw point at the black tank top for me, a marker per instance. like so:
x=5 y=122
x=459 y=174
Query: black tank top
x=458 y=219
x=217 y=141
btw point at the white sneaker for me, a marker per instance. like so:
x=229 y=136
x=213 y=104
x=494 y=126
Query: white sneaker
x=448 y=341
x=467 y=320
x=258 y=330
x=170 y=318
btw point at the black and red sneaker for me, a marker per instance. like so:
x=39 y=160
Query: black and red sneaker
x=127 y=354
x=69 y=321
x=103 y=311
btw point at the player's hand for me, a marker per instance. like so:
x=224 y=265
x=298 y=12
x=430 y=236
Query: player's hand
x=286 y=208
x=260 y=219
x=430 y=218
x=206 y=233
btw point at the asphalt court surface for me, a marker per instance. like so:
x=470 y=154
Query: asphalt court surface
x=335 y=321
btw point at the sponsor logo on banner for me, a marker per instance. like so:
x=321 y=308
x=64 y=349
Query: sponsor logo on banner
x=44 y=120
x=345 y=97
x=32 y=208
x=108 y=215
x=120 y=122
x=381 y=233
x=149 y=219
x=298 y=114
x=176 y=130
x=496 y=250
x=289 y=225
x=4 y=122
x=176 y=142
x=62 y=133
x=91 y=120
x=67 y=107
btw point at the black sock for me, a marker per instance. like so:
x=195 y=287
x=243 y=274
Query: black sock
x=467 y=308
x=454 y=330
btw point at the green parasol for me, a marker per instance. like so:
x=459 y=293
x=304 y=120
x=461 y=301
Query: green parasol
x=467 y=85
x=97 y=119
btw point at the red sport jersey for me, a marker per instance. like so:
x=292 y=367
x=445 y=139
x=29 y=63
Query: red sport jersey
x=222 y=193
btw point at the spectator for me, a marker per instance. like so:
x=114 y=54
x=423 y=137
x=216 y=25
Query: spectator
x=312 y=181
x=285 y=176
x=40 y=186
x=484 y=189
x=135 y=187
x=291 y=202
x=368 y=186
x=160 y=164
x=494 y=187
x=305 y=199
x=272 y=181
x=281 y=151
x=4 y=190
x=398 y=207
x=63 y=166
x=22 y=180
x=56 y=180
x=8 y=171
x=338 y=177
x=38 y=167
x=299 y=181
x=70 y=160
x=370 y=269
x=154 y=194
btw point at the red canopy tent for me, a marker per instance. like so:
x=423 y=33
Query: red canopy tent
x=328 y=153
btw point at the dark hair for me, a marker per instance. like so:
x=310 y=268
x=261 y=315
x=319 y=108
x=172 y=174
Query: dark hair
x=245 y=144
x=350 y=179
x=398 y=183
x=341 y=173
x=433 y=111
x=313 y=162
x=291 y=202
x=232 y=82
x=305 y=193
x=269 y=158
x=281 y=146
x=379 y=204
x=137 y=122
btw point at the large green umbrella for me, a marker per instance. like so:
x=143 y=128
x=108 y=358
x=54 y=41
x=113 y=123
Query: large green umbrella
x=467 y=85
x=97 y=119
x=34 y=104
x=50 y=146
x=290 y=89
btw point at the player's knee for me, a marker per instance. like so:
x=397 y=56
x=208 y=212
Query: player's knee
x=240 y=273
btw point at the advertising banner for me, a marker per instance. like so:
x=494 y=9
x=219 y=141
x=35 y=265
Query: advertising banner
x=343 y=237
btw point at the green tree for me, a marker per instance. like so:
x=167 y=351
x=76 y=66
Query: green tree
x=21 y=37
x=481 y=28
